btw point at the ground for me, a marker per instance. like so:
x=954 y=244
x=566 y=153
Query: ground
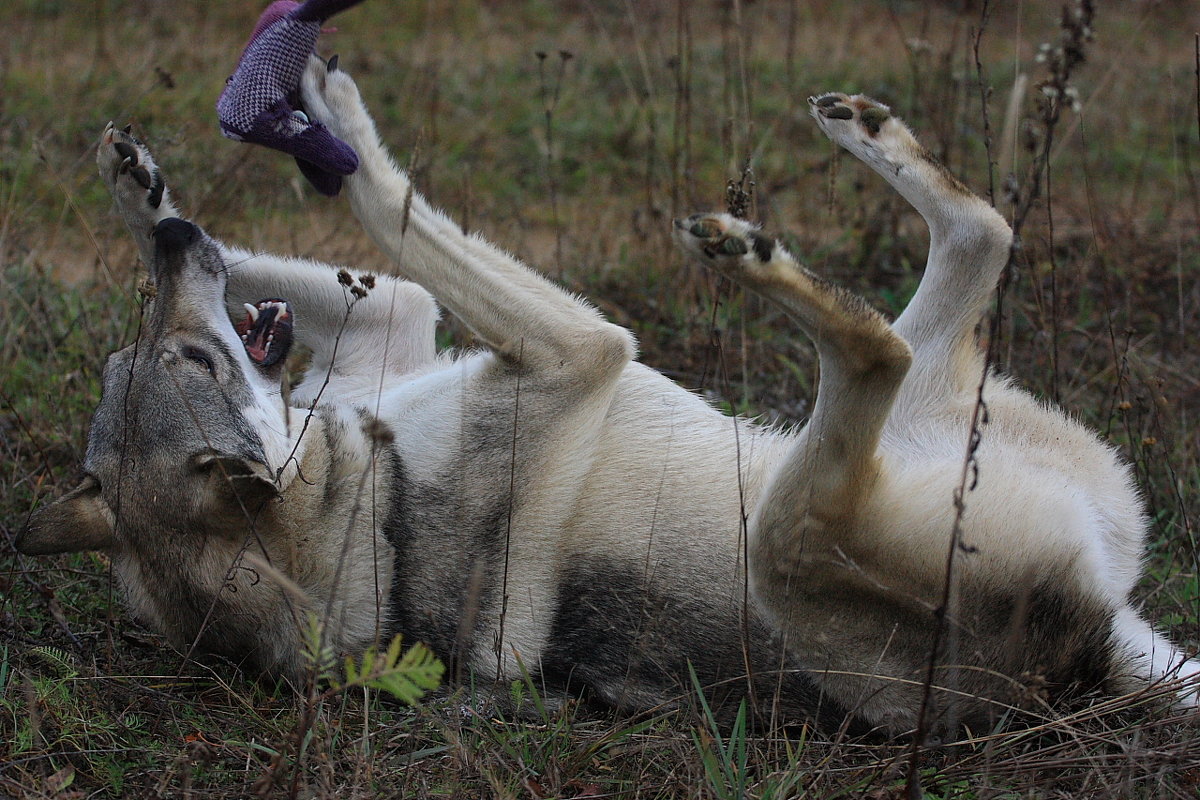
x=572 y=133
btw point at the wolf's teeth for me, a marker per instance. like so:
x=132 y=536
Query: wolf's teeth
x=252 y=311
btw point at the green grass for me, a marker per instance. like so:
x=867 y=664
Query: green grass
x=93 y=705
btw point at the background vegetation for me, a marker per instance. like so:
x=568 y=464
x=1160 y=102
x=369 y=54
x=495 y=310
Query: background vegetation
x=572 y=132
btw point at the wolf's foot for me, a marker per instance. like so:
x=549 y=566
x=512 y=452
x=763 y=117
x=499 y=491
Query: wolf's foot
x=731 y=246
x=329 y=95
x=867 y=129
x=134 y=180
x=845 y=118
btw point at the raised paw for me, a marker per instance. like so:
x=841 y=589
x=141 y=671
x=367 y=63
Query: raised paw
x=726 y=243
x=132 y=177
x=867 y=129
x=857 y=111
x=330 y=96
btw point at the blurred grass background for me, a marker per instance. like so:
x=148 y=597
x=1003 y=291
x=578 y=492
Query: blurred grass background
x=571 y=133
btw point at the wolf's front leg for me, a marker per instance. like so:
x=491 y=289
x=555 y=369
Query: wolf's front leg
x=531 y=414
x=352 y=323
x=136 y=184
x=519 y=314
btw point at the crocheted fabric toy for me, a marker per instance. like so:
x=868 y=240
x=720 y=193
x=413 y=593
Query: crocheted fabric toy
x=259 y=103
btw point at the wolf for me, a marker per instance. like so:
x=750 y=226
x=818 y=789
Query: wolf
x=546 y=506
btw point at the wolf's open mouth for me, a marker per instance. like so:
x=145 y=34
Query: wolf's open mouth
x=267 y=331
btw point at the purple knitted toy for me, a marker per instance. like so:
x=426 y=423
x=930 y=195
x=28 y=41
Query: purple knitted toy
x=259 y=101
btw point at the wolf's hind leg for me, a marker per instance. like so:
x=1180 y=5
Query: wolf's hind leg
x=863 y=362
x=804 y=529
x=968 y=240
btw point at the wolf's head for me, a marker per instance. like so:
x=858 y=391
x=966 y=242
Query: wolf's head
x=184 y=454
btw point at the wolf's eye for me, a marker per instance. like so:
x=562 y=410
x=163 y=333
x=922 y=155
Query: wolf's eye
x=192 y=354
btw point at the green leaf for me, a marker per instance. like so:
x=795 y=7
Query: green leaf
x=406 y=677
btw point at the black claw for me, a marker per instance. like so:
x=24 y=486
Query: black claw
x=142 y=176
x=333 y=64
x=126 y=150
x=128 y=128
x=156 y=190
x=827 y=101
x=840 y=112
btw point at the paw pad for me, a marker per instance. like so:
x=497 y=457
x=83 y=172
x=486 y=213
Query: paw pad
x=732 y=247
x=729 y=246
x=873 y=117
x=721 y=237
x=127 y=156
x=869 y=114
x=126 y=150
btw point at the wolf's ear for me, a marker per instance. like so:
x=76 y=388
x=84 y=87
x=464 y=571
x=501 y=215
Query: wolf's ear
x=81 y=520
x=238 y=479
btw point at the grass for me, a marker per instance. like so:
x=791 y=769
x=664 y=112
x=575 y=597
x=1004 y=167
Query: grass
x=646 y=124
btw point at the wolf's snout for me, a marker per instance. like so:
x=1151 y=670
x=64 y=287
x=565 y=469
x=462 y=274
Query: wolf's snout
x=173 y=233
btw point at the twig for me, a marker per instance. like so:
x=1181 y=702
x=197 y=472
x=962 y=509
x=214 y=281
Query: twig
x=743 y=526
x=681 y=129
x=549 y=105
x=985 y=92
x=512 y=491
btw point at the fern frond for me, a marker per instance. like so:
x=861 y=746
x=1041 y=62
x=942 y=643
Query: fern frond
x=60 y=661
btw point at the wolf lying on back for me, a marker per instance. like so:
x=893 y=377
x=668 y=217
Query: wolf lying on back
x=550 y=504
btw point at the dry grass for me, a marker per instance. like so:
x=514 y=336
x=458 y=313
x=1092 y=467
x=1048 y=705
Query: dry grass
x=661 y=104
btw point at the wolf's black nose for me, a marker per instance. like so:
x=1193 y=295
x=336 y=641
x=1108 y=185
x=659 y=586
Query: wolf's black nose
x=174 y=233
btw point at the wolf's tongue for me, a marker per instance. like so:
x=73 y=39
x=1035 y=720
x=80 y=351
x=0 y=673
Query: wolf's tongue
x=257 y=348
